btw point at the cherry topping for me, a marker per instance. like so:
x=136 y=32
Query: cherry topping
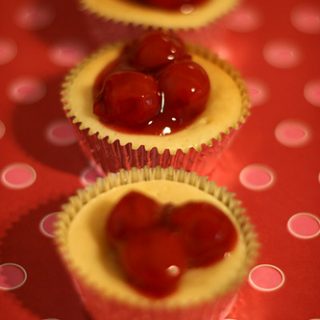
x=172 y=4
x=154 y=261
x=186 y=89
x=132 y=214
x=155 y=50
x=156 y=243
x=207 y=233
x=168 y=96
x=128 y=97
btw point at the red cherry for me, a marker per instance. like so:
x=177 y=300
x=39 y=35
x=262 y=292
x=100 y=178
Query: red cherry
x=172 y=4
x=186 y=89
x=156 y=49
x=208 y=234
x=154 y=261
x=132 y=214
x=128 y=98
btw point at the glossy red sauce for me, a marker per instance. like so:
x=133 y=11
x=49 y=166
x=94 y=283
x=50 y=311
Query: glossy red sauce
x=172 y=5
x=152 y=88
x=156 y=244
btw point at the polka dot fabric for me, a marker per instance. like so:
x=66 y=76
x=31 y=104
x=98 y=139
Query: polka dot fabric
x=272 y=164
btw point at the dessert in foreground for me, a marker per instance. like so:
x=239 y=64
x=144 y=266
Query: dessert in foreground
x=186 y=105
x=94 y=232
x=165 y=14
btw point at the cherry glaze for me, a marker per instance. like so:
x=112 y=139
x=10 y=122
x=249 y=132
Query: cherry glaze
x=186 y=88
x=213 y=231
x=154 y=261
x=132 y=214
x=133 y=98
x=155 y=50
x=156 y=244
x=152 y=88
x=173 y=5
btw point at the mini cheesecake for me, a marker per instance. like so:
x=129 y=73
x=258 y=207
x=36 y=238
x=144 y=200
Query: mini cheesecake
x=202 y=292
x=132 y=12
x=225 y=111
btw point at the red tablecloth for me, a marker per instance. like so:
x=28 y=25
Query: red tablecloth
x=273 y=164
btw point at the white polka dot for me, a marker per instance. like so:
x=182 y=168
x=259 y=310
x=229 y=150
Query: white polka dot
x=312 y=92
x=2 y=129
x=34 y=17
x=266 y=277
x=228 y=308
x=27 y=90
x=61 y=133
x=89 y=176
x=18 y=176
x=12 y=276
x=282 y=54
x=306 y=18
x=244 y=19
x=67 y=54
x=257 y=177
x=47 y=224
x=258 y=91
x=292 y=133
x=8 y=51
x=304 y=225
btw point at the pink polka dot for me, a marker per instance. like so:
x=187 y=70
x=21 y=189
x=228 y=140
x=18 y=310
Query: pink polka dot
x=61 y=133
x=47 y=224
x=257 y=177
x=244 y=19
x=222 y=51
x=312 y=92
x=292 y=133
x=67 y=54
x=12 y=276
x=2 y=129
x=304 y=225
x=18 y=176
x=282 y=54
x=306 y=18
x=266 y=277
x=89 y=175
x=27 y=90
x=258 y=91
x=8 y=51
x=33 y=17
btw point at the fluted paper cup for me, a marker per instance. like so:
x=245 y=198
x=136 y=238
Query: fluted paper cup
x=194 y=148
x=204 y=293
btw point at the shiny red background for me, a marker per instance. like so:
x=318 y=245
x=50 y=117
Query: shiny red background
x=247 y=38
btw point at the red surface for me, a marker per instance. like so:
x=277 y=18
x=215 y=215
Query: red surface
x=272 y=165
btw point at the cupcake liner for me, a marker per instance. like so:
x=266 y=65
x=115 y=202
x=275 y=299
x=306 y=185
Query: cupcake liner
x=113 y=151
x=112 y=157
x=101 y=305
x=132 y=14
